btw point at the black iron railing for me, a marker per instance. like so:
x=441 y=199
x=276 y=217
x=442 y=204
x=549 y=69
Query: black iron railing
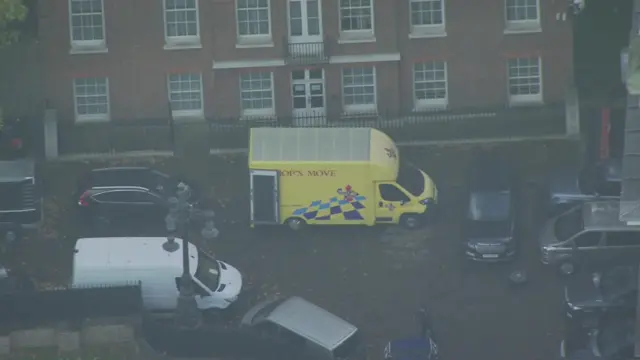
x=308 y=53
x=233 y=133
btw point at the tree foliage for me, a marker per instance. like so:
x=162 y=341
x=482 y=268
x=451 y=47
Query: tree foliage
x=11 y=12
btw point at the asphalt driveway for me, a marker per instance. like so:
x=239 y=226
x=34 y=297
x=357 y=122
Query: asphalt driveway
x=373 y=277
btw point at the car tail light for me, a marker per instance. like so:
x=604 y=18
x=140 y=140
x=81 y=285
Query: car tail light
x=82 y=201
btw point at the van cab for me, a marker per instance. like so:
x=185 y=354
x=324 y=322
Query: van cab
x=311 y=330
x=334 y=176
x=125 y=260
x=590 y=232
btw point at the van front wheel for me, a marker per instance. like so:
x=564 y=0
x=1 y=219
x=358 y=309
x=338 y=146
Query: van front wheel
x=410 y=221
x=296 y=224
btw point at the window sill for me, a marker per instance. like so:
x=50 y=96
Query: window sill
x=91 y=119
x=188 y=117
x=534 y=101
x=254 y=43
x=430 y=107
x=418 y=35
x=182 y=46
x=353 y=39
x=523 y=30
x=79 y=50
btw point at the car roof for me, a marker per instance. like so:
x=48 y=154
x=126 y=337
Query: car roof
x=102 y=189
x=120 y=168
x=312 y=322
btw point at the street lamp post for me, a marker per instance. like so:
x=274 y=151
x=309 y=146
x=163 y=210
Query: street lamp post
x=187 y=315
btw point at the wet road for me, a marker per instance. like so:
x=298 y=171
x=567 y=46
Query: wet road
x=373 y=277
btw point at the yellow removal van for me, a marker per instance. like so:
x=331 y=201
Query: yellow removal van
x=334 y=176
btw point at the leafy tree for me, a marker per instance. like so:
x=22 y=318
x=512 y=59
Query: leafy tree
x=11 y=11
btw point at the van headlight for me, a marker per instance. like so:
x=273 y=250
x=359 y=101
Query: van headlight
x=427 y=202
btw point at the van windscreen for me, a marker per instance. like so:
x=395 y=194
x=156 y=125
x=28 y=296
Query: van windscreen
x=411 y=179
x=208 y=271
x=569 y=224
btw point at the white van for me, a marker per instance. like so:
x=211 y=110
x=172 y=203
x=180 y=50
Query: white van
x=120 y=260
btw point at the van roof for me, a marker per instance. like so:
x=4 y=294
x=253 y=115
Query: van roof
x=310 y=144
x=131 y=253
x=312 y=322
x=603 y=215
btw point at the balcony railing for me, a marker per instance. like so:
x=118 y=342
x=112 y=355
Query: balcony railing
x=307 y=53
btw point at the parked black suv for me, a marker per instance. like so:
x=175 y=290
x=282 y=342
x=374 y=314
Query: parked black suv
x=588 y=296
x=20 y=199
x=490 y=224
x=127 y=195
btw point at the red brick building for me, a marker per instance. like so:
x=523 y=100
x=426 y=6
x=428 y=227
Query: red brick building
x=120 y=60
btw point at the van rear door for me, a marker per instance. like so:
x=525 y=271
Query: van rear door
x=264 y=187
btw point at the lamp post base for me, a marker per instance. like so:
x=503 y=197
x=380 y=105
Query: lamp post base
x=188 y=316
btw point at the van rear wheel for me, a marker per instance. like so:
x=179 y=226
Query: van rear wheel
x=567 y=268
x=410 y=221
x=296 y=224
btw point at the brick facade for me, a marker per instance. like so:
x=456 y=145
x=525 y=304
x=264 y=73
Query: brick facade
x=137 y=57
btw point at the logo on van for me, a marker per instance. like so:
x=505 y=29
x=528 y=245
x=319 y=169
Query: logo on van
x=391 y=153
x=346 y=206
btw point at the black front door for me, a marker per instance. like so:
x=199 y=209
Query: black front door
x=264 y=197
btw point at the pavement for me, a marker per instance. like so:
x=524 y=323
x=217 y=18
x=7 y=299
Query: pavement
x=375 y=278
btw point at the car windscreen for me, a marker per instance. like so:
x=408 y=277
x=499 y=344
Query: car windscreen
x=489 y=206
x=569 y=224
x=208 y=271
x=411 y=179
x=11 y=194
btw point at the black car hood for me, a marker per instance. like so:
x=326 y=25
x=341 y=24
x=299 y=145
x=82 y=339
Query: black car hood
x=582 y=292
x=489 y=229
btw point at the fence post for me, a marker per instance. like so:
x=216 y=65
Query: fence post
x=50 y=128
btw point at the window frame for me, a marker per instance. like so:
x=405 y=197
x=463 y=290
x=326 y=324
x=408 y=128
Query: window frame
x=526 y=99
x=181 y=42
x=435 y=30
x=254 y=40
x=360 y=35
x=91 y=117
x=519 y=26
x=253 y=113
x=360 y=108
x=87 y=46
x=424 y=104
x=190 y=112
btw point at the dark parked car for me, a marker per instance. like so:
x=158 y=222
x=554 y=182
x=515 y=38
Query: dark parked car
x=420 y=347
x=127 y=195
x=572 y=185
x=614 y=340
x=490 y=223
x=588 y=296
x=20 y=199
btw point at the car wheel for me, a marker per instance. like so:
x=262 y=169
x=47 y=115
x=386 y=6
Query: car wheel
x=567 y=268
x=410 y=221
x=296 y=224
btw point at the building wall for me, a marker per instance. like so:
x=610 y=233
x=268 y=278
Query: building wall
x=475 y=48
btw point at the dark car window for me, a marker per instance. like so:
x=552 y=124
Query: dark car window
x=623 y=238
x=390 y=192
x=113 y=197
x=588 y=239
x=490 y=206
x=143 y=197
